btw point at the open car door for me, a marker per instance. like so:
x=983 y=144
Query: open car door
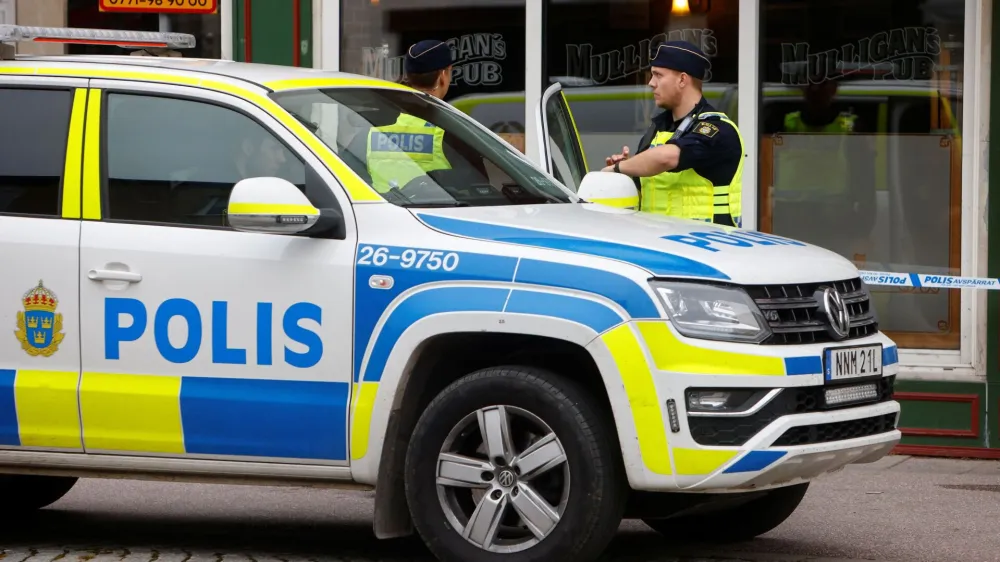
x=559 y=144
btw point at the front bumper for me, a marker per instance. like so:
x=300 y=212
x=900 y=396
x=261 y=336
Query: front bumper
x=759 y=463
x=793 y=438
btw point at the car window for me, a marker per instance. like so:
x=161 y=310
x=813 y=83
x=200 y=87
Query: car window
x=175 y=161
x=416 y=151
x=568 y=164
x=32 y=149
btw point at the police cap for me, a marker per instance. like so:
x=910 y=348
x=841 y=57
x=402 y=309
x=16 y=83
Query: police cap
x=427 y=56
x=681 y=56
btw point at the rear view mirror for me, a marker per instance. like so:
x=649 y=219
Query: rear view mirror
x=609 y=188
x=271 y=205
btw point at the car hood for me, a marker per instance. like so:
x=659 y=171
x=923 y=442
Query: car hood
x=663 y=246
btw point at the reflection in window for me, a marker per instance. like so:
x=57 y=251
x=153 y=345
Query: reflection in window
x=419 y=152
x=32 y=149
x=861 y=125
x=487 y=39
x=175 y=161
x=565 y=152
x=599 y=51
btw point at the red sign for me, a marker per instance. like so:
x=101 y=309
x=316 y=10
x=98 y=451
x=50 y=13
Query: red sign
x=160 y=6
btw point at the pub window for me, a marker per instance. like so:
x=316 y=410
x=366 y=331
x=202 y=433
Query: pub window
x=861 y=144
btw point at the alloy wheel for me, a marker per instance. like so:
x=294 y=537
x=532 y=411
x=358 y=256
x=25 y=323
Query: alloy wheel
x=502 y=479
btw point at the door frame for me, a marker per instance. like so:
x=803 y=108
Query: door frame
x=534 y=79
x=69 y=209
x=338 y=468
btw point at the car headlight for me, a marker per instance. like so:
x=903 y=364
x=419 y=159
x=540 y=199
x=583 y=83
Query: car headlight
x=712 y=312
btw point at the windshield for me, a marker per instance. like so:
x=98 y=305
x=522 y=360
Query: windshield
x=415 y=151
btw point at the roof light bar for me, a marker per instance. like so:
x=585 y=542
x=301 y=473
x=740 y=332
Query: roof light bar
x=114 y=37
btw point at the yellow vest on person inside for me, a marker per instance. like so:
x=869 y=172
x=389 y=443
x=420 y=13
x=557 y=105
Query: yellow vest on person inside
x=407 y=149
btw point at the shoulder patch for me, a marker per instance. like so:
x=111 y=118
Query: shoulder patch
x=707 y=129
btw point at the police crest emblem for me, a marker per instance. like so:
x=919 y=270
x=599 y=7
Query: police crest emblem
x=707 y=129
x=39 y=326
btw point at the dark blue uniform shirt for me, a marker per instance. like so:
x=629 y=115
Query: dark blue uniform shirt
x=713 y=151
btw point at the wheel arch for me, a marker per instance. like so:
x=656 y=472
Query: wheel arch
x=438 y=350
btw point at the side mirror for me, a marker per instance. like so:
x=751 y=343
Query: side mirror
x=609 y=188
x=270 y=205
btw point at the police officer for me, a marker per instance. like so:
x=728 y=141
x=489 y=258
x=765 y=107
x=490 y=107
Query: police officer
x=428 y=67
x=411 y=147
x=690 y=161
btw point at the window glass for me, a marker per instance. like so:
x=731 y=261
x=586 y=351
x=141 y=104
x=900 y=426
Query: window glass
x=32 y=149
x=175 y=161
x=416 y=150
x=564 y=147
x=861 y=145
x=487 y=39
x=599 y=51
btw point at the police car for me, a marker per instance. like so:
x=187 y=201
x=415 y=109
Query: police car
x=202 y=285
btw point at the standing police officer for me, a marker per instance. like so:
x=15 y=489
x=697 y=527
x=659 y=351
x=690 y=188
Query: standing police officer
x=411 y=147
x=690 y=161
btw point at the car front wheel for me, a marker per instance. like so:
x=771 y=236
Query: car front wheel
x=514 y=465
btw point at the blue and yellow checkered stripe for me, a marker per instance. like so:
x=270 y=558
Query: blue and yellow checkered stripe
x=174 y=415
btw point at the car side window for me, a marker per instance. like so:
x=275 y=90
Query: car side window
x=33 y=149
x=175 y=161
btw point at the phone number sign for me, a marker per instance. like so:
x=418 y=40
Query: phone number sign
x=160 y=6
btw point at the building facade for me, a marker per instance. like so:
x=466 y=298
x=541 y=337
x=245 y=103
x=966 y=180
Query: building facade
x=866 y=127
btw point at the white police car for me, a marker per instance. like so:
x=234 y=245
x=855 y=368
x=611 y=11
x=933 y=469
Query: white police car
x=202 y=284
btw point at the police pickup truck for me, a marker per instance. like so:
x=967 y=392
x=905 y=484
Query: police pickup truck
x=203 y=285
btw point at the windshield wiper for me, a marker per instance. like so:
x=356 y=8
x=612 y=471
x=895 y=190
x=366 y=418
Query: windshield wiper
x=448 y=204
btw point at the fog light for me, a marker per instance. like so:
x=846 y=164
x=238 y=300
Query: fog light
x=723 y=400
x=850 y=394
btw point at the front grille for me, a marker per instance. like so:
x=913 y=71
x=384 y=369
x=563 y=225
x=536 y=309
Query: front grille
x=795 y=316
x=836 y=431
x=734 y=431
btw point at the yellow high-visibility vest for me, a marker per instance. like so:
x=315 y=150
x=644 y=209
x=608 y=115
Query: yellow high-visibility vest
x=811 y=172
x=407 y=149
x=688 y=194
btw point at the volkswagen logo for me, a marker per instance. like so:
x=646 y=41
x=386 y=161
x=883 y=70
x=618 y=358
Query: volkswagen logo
x=836 y=312
x=506 y=478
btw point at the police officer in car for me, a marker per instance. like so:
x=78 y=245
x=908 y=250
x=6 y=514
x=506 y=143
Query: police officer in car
x=690 y=161
x=411 y=147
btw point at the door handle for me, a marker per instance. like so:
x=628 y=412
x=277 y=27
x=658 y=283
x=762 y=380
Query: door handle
x=113 y=275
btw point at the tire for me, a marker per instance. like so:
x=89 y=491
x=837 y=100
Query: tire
x=737 y=524
x=587 y=490
x=26 y=493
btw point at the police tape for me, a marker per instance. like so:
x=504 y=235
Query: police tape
x=930 y=280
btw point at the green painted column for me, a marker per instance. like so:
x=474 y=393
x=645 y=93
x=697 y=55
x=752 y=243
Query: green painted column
x=272 y=32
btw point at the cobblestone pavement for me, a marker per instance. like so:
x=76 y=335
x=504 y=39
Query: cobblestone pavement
x=900 y=509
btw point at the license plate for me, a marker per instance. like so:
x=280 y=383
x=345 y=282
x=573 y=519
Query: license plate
x=845 y=363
